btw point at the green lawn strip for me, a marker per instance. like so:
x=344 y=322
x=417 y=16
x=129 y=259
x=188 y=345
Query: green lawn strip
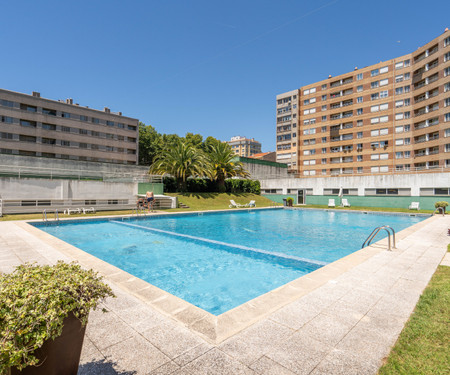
x=423 y=346
x=217 y=201
x=356 y=208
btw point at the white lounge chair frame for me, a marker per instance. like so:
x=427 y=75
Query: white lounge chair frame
x=69 y=211
x=331 y=203
x=414 y=206
x=89 y=210
x=233 y=204
x=345 y=203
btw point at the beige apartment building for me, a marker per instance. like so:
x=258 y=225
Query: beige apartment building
x=243 y=146
x=34 y=126
x=391 y=117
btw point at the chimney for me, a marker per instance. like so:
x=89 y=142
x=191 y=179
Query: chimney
x=69 y=101
x=119 y=113
x=106 y=110
x=36 y=94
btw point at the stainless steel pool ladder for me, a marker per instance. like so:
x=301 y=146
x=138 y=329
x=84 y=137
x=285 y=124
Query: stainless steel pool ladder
x=44 y=215
x=441 y=211
x=372 y=235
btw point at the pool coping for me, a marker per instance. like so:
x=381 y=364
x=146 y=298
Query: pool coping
x=215 y=329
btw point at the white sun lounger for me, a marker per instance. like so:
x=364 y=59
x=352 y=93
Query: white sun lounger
x=414 y=206
x=345 y=202
x=89 y=210
x=233 y=204
x=331 y=203
x=69 y=211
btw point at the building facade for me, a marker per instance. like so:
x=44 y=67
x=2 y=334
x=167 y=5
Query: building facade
x=391 y=117
x=243 y=146
x=34 y=126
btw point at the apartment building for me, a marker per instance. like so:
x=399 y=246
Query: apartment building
x=243 y=146
x=390 y=117
x=34 y=126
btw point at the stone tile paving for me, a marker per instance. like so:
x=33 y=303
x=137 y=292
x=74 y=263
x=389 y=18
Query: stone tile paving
x=345 y=326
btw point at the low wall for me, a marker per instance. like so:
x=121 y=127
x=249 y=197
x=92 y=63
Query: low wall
x=426 y=203
x=278 y=198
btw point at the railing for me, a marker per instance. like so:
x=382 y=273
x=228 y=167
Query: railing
x=372 y=235
x=57 y=173
x=441 y=210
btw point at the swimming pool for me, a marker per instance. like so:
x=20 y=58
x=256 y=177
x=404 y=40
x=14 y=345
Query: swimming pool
x=218 y=261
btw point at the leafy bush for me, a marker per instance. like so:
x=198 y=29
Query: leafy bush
x=442 y=204
x=204 y=185
x=170 y=184
x=34 y=300
x=242 y=186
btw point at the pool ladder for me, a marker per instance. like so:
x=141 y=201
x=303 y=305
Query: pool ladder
x=439 y=210
x=372 y=235
x=44 y=215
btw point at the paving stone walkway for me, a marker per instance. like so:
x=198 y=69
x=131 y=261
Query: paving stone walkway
x=346 y=326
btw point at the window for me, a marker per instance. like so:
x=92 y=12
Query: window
x=306 y=102
x=324 y=139
x=399 y=65
x=324 y=161
x=359 y=134
x=359 y=88
x=313 y=100
x=65 y=143
x=27 y=138
x=324 y=118
x=399 y=91
x=28 y=124
x=49 y=141
x=374 y=96
x=110 y=123
x=65 y=129
x=375 y=157
x=324 y=86
x=359 y=111
x=374 y=133
x=65 y=114
x=6 y=103
x=359 y=158
x=384 y=131
x=83 y=131
x=359 y=123
x=375 y=108
x=359 y=99
x=48 y=112
x=447 y=41
x=384 y=82
x=447 y=117
x=447 y=71
x=324 y=129
x=324 y=150
x=359 y=77
x=374 y=85
x=407 y=76
x=324 y=97
x=313 y=90
x=28 y=108
x=324 y=108
x=83 y=118
x=6 y=119
x=95 y=120
x=399 y=78
x=374 y=72
x=384 y=94
x=447 y=56
x=384 y=69
x=313 y=110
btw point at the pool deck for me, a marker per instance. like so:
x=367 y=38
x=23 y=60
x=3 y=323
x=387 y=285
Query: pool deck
x=340 y=319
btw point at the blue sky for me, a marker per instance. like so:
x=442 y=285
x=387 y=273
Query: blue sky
x=208 y=67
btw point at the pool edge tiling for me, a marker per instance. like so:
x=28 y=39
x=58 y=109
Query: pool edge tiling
x=216 y=329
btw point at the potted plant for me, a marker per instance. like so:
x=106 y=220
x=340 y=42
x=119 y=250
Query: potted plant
x=289 y=201
x=442 y=204
x=43 y=316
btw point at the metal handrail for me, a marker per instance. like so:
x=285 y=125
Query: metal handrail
x=44 y=215
x=372 y=235
x=56 y=215
x=440 y=209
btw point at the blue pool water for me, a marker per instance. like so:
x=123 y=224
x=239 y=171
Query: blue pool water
x=218 y=261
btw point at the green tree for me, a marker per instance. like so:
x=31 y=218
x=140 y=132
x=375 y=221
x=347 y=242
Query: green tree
x=149 y=144
x=181 y=160
x=195 y=140
x=222 y=164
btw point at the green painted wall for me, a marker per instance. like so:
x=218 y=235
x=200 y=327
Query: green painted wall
x=278 y=198
x=157 y=188
x=426 y=203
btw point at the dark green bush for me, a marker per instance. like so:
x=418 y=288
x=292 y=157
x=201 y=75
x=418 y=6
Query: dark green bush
x=203 y=185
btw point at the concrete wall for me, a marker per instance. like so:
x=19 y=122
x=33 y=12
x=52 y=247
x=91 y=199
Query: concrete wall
x=413 y=181
x=36 y=188
x=263 y=169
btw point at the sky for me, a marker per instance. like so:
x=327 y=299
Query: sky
x=201 y=66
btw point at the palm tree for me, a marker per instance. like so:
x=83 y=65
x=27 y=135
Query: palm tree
x=180 y=160
x=222 y=165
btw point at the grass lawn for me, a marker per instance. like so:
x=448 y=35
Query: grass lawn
x=423 y=346
x=217 y=201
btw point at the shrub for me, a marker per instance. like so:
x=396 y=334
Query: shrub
x=35 y=300
x=442 y=204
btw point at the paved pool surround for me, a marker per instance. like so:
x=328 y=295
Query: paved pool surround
x=341 y=318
